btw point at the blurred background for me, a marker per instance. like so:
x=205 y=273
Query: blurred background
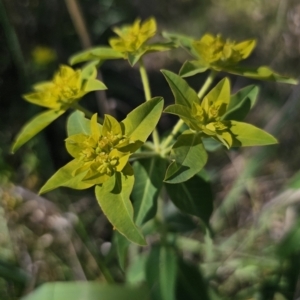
x=64 y=236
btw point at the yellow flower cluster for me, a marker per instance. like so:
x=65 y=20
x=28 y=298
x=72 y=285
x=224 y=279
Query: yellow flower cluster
x=43 y=55
x=132 y=38
x=102 y=153
x=213 y=50
x=63 y=90
x=208 y=117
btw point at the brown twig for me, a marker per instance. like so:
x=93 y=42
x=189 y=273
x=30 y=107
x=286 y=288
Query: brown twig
x=81 y=29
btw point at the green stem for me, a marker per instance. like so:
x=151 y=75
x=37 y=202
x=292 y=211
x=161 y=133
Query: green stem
x=149 y=146
x=165 y=151
x=145 y=80
x=87 y=113
x=209 y=80
x=175 y=130
x=147 y=92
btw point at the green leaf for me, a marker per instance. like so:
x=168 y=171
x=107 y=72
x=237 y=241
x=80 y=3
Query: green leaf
x=134 y=57
x=245 y=134
x=159 y=47
x=113 y=198
x=179 y=110
x=9 y=271
x=122 y=245
x=110 y=124
x=98 y=53
x=149 y=174
x=88 y=291
x=189 y=157
x=191 y=68
x=179 y=39
x=183 y=93
x=190 y=283
x=141 y=121
x=193 y=197
x=290 y=244
x=241 y=103
x=34 y=126
x=77 y=123
x=162 y=279
x=219 y=94
x=93 y=85
x=64 y=177
x=211 y=145
x=294 y=182
x=89 y=70
x=261 y=73
x=135 y=274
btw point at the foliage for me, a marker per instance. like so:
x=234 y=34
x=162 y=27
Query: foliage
x=133 y=197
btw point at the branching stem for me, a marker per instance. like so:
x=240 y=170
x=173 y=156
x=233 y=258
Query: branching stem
x=175 y=130
x=147 y=92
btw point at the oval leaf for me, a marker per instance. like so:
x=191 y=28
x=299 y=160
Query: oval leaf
x=191 y=68
x=241 y=103
x=88 y=291
x=122 y=245
x=115 y=204
x=193 y=197
x=160 y=47
x=183 y=93
x=189 y=157
x=149 y=174
x=99 y=53
x=34 y=126
x=179 y=110
x=134 y=57
x=93 y=85
x=64 y=177
x=179 y=39
x=140 y=122
x=261 y=73
x=244 y=134
x=162 y=279
x=219 y=94
x=77 y=123
x=190 y=283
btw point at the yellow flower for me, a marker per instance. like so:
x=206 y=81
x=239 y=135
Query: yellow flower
x=215 y=52
x=66 y=87
x=102 y=153
x=43 y=55
x=207 y=116
x=132 y=38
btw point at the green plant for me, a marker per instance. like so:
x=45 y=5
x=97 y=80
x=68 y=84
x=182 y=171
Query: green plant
x=132 y=176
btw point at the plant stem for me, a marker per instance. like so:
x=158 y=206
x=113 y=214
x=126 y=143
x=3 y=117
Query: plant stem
x=147 y=92
x=175 y=130
x=79 y=23
x=209 y=80
x=145 y=80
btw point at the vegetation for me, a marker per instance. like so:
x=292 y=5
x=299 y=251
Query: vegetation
x=168 y=203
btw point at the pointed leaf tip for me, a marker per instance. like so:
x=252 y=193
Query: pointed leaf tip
x=34 y=126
